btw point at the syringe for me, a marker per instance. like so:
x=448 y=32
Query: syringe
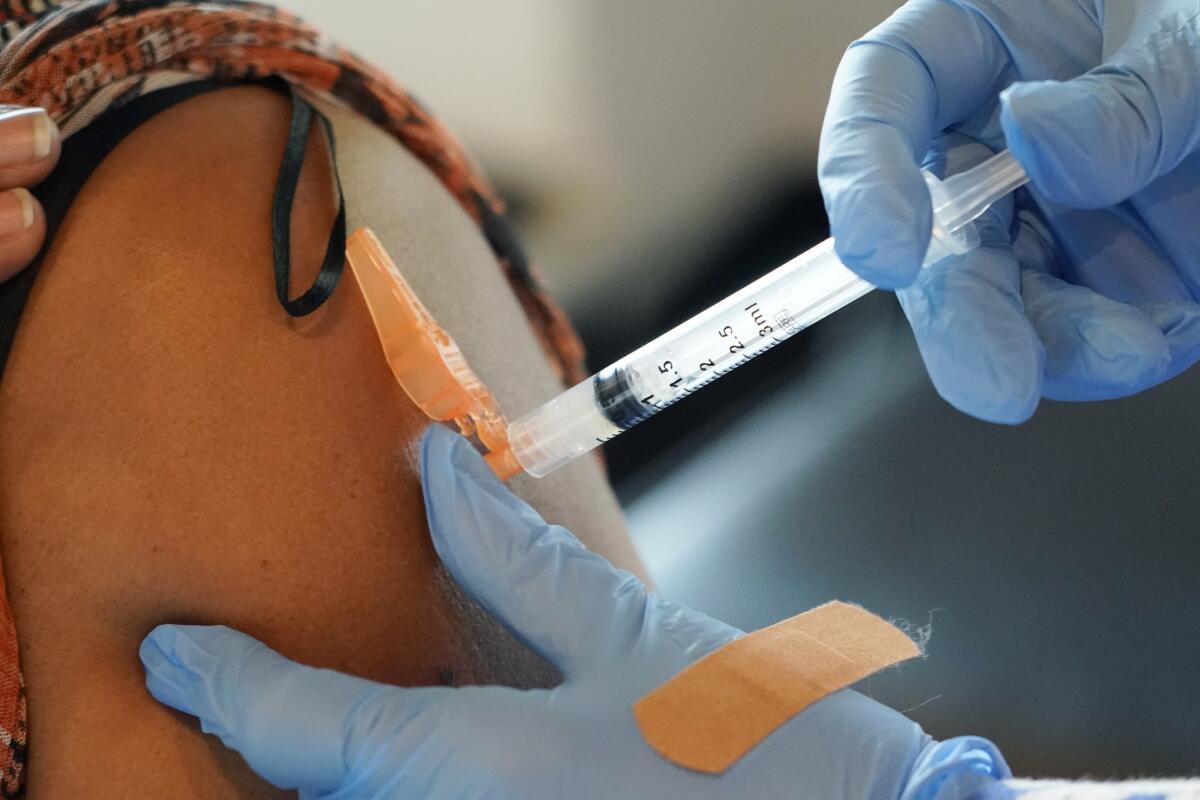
x=770 y=310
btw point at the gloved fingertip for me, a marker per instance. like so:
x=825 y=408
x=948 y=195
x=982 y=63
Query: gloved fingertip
x=1179 y=322
x=168 y=681
x=1096 y=348
x=1015 y=410
x=1023 y=111
x=1104 y=362
x=454 y=475
x=157 y=644
x=888 y=275
x=444 y=452
x=478 y=525
x=881 y=231
x=1010 y=392
x=1067 y=137
x=981 y=352
x=1011 y=402
x=967 y=766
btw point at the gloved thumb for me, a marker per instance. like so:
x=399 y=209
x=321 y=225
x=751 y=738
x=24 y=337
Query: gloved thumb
x=1094 y=141
x=569 y=604
x=290 y=722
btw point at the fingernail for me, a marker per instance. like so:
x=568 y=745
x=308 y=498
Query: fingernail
x=16 y=211
x=26 y=135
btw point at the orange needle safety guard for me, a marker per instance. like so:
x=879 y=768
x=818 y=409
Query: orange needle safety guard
x=424 y=358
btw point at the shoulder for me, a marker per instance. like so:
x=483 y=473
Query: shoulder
x=195 y=182
x=159 y=287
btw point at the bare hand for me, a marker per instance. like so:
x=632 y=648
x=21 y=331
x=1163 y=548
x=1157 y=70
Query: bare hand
x=29 y=149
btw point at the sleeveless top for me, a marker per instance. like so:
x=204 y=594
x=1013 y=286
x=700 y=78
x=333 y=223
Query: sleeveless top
x=101 y=67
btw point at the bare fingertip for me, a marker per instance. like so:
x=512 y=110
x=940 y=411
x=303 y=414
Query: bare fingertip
x=27 y=136
x=18 y=250
x=44 y=134
x=26 y=205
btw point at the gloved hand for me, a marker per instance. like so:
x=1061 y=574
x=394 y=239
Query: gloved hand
x=1087 y=290
x=334 y=736
x=29 y=149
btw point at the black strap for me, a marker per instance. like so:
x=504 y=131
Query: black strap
x=84 y=151
x=281 y=215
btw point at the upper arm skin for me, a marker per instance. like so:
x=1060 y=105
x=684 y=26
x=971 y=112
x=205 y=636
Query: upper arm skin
x=175 y=448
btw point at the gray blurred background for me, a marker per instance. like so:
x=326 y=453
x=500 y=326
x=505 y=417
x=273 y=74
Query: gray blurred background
x=659 y=154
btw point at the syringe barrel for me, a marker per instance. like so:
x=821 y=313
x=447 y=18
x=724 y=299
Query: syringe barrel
x=686 y=358
x=768 y=311
x=560 y=430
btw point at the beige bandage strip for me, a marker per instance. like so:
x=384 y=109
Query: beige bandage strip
x=715 y=711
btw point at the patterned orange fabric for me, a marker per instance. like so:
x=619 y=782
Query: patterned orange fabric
x=79 y=58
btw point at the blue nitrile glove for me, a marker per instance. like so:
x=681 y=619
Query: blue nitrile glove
x=331 y=735
x=1087 y=290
